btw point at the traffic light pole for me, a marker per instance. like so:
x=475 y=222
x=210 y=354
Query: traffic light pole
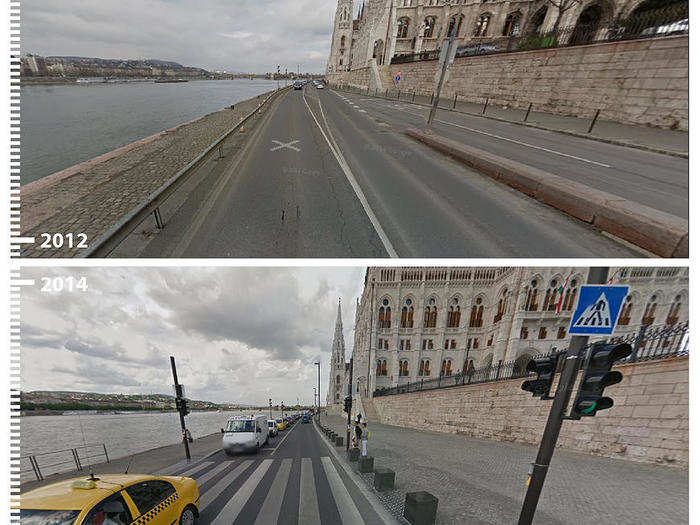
x=178 y=393
x=556 y=414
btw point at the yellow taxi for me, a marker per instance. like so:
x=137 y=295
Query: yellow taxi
x=281 y=424
x=112 y=499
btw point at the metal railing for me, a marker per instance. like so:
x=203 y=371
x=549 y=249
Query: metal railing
x=667 y=21
x=648 y=344
x=57 y=461
x=108 y=241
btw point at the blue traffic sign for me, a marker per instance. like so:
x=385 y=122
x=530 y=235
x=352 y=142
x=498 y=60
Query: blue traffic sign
x=597 y=309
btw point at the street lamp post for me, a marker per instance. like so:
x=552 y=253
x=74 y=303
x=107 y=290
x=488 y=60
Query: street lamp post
x=318 y=364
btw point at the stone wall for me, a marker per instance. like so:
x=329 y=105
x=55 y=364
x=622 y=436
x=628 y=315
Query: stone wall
x=649 y=422
x=636 y=82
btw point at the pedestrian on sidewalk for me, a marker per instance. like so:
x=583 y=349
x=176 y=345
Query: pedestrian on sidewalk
x=365 y=437
x=358 y=435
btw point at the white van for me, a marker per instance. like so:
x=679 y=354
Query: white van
x=244 y=434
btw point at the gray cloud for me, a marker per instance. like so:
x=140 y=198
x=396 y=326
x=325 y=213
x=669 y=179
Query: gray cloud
x=240 y=35
x=238 y=334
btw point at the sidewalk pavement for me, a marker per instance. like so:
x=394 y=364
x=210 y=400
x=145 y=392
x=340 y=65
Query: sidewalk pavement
x=147 y=462
x=645 y=137
x=482 y=481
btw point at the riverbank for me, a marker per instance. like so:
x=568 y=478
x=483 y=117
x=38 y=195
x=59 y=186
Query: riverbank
x=148 y=462
x=92 y=196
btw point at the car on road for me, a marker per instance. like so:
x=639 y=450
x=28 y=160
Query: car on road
x=281 y=425
x=112 y=498
x=673 y=28
x=305 y=419
x=272 y=427
x=298 y=85
x=319 y=86
x=477 y=49
x=244 y=434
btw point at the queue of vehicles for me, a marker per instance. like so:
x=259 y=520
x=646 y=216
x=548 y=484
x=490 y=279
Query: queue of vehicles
x=299 y=84
x=110 y=499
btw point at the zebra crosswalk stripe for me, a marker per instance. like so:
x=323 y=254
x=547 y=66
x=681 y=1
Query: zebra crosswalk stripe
x=201 y=480
x=211 y=494
x=346 y=506
x=234 y=506
x=196 y=468
x=308 y=501
x=270 y=511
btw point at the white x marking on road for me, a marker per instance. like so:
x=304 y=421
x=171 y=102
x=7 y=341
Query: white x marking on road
x=289 y=145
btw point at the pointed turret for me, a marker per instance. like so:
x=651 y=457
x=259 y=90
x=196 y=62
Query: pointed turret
x=336 y=380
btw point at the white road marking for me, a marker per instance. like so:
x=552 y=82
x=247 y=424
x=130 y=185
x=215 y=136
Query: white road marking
x=234 y=506
x=194 y=469
x=353 y=182
x=282 y=441
x=210 y=495
x=508 y=139
x=308 y=501
x=270 y=511
x=282 y=145
x=201 y=480
x=346 y=506
x=525 y=144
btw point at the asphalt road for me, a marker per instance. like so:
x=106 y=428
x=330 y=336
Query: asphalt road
x=292 y=480
x=653 y=179
x=322 y=177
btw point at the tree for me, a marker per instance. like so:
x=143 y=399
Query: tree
x=562 y=7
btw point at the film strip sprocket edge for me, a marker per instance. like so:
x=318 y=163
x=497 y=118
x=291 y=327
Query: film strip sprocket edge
x=15 y=66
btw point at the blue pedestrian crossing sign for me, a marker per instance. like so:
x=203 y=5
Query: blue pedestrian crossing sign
x=597 y=309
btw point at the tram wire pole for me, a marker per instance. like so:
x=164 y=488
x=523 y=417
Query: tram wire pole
x=181 y=409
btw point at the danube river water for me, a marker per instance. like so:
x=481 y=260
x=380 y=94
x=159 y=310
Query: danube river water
x=122 y=434
x=63 y=125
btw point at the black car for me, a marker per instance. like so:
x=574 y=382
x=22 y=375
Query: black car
x=298 y=85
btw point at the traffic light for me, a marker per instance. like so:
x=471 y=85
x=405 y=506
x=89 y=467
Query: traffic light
x=596 y=377
x=348 y=404
x=181 y=405
x=544 y=367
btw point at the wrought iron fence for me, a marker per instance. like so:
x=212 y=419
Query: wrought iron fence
x=668 y=21
x=650 y=343
x=57 y=461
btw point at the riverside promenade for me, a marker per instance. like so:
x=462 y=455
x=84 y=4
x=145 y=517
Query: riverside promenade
x=480 y=481
x=92 y=196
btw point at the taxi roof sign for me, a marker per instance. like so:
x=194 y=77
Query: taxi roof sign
x=597 y=309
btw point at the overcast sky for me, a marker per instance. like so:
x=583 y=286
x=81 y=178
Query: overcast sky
x=235 y=35
x=237 y=334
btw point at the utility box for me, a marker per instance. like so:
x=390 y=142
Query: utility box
x=339 y=441
x=384 y=478
x=366 y=464
x=420 y=508
x=353 y=454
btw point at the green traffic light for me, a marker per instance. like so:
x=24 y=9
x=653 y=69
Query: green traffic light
x=590 y=408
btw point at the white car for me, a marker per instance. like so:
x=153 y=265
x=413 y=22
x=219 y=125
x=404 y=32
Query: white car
x=272 y=427
x=244 y=434
x=319 y=86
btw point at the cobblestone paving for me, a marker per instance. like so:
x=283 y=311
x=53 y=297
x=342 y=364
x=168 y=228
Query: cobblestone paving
x=94 y=198
x=480 y=481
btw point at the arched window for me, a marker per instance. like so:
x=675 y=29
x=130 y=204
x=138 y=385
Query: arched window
x=512 y=25
x=674 y=311
x=403 y=368
x=430 y=314
x=385 y=314
x=482 y=25
x=454 y=314
x=531 y=300
x=570 y=296
x=407 y=314
x=501 y=310
x=476 y=317
x=537 y=21
x=379 y=367
x=383 y=367
x=378 y=52
x=403 y=28
x=446 y=369
x=626 y=312
x=650 y=311
x=342 y=42
x=429 y=27
x=337 y=380
x=457 y=19
x=550 y=298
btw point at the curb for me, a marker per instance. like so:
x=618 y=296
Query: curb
x=377 y=505
x=658 y=232
x=597 y=138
